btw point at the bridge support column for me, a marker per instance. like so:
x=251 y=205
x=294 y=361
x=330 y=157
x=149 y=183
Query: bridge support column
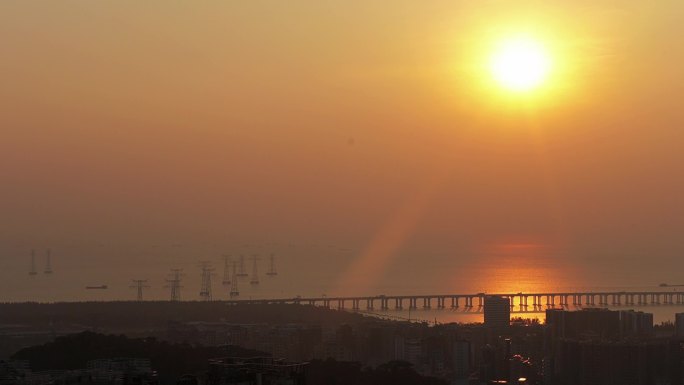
x=369 y=304
x=355 y=304
x=454 y=302
x=398 y=303
x=384 y=303
x=340 y=304
x=440 y=302
x=550 y=301
x=426 y=302
x=479 y=300
x=412 y=303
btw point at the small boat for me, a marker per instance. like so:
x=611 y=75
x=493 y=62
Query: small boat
x=101 y=287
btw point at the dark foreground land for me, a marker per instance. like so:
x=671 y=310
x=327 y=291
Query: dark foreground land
x=175 y=361
x=28 y=324
x=313 y=345
x=180 y=338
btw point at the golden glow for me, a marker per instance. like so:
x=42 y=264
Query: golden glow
x=520 y=64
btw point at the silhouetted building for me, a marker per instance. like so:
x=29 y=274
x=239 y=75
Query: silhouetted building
x=409 y=350
x=494 y=362
x=380 y=340
x=115 y=371
x=497 y=311
x=618 y=362
x=635 y=323
x=679 y=325
x=254 y=371
x=521 y=371
x=586 y=323
x=461 y=360
x=122 y=371
x=598 y=324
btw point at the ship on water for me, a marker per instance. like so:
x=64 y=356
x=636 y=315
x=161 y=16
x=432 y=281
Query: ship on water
x=100 y=287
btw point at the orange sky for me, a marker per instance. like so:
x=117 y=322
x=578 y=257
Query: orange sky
x=329 y=121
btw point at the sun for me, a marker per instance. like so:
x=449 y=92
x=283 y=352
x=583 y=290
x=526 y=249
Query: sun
x=520 y=64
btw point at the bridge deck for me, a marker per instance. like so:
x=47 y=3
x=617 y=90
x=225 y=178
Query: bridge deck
x=616 y=297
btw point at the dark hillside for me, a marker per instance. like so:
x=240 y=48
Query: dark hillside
x=170 y=360
x=153 y=314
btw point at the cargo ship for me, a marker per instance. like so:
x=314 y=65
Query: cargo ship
x=101 y=287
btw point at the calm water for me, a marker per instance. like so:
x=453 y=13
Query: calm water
x=314 y=270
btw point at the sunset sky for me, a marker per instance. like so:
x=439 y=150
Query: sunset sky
x=373 y=126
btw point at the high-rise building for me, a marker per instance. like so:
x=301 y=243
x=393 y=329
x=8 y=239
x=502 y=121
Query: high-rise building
x=586 y=323
x=652 y=361
x=635 y=323
x=679 y=325
x=461 y=358
x=260 y=370
x=497 y=311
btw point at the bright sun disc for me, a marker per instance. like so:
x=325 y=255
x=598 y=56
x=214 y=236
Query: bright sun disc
x=520 y=64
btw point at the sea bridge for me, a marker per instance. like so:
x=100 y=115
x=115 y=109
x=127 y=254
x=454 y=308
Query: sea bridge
x=520 y=302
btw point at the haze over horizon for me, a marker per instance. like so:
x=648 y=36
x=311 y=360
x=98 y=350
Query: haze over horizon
x=360 y=142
